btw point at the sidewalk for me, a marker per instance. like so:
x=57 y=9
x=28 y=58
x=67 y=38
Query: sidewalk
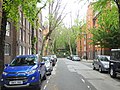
x=89 y=61
x=0 y=81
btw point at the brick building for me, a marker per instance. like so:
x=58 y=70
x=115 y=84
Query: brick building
x=84 y=48
x=18 y=42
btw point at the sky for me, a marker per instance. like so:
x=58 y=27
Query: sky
x=74 y=8
x=77 y=10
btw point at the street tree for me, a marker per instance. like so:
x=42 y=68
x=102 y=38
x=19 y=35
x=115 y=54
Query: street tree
x=107 y=33
x=55 y=17
x=10 y=11
x=100 y=6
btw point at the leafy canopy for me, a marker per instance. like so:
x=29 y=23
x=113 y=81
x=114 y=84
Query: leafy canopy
x=106 y=34
x=28 y=7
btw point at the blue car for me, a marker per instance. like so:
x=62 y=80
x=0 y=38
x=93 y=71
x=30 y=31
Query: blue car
x=24 y=71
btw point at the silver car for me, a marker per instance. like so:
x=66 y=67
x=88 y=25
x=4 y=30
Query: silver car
x=101 y=63
x=48 y=64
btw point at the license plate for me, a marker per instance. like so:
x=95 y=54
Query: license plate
x=15 y=82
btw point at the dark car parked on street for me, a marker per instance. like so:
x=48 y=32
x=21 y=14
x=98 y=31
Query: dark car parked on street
x=101 y=63
x=114 y=64
x=23 y=71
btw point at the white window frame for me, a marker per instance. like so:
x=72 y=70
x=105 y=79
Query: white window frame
x=20 y=17
x=20 y=50
x=8 y=26
x=20 y=34
x=23 y=35
x=23 y=50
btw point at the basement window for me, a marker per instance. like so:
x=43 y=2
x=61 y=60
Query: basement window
x=7 y=49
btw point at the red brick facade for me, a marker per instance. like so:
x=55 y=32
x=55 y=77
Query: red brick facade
x=18 y=42
x=88 y=49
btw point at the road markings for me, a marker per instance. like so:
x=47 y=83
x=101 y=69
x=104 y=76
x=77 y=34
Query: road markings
x=89 y=87
x=47 y=81
x=49 y=77
x=45 y=87
x=83 y=80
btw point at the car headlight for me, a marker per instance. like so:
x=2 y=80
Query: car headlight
x=106 y=66
x=31 y=72
x=4 y=73
x=47 y=68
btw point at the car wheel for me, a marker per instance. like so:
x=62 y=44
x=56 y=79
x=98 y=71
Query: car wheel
x=94 y=67
x=50 y=72
x=112 y=72
x=44 y=77
x=3 y=88
x=100 y=69
x=38 y=87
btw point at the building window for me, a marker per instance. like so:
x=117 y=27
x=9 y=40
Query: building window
x=85 y=36
x=89 y=46
x=20 y=34
x=24 y=21
x=29 y=51
x=23 y=50
x=7 y=49
x=27 y=25
x=20 y=17
x=84 y=42
x=8 y=29
x=20 y=50
x=24 y=35
x=84 y=48
x=29 y=38
x=85 y=54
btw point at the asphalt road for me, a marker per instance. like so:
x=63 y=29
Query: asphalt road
x=63 y=78
x=72 y=75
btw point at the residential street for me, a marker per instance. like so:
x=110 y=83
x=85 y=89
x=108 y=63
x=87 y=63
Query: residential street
x=72 y=75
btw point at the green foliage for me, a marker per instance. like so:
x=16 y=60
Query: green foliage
x=107 y=33
x=28 y=7
x=65 y=36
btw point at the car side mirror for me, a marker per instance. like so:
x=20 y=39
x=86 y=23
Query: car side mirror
x=50 y=61
x=42 y=63
x=6 y=65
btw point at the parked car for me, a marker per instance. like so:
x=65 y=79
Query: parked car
x=71 y=57
x=23 y=71
x=48 y=64
x=68 y=57
x=101 y=63
x=53 y=59
x=75 y=58
x=114 y=63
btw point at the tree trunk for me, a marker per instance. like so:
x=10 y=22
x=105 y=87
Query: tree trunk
x=70 y=46
x=80 y=49
x=119 y=15
x=2 y=39
x=118 y=5
x=32 y=40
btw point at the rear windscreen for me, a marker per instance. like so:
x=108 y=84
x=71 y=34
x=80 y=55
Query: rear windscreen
x=115 y=55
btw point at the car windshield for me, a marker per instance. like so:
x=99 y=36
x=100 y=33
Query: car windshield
x=115 y=55
x=75 y=57
x=45 y=59
x=24 y=61
x=104 y=59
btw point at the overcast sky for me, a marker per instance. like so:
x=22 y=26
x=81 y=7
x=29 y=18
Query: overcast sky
x=77 y=8
x=73 y=8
